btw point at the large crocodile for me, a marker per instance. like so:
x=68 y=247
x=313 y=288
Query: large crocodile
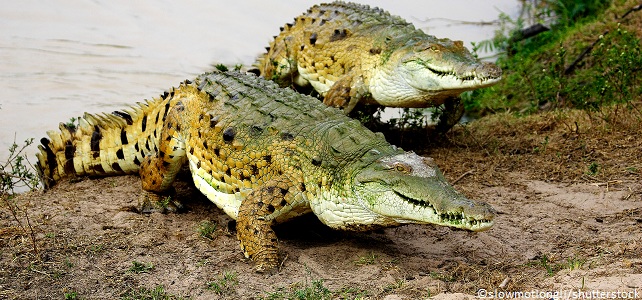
x=352 y=53
x=263 y=154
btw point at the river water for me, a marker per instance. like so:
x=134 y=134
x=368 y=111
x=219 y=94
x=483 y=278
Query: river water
x=59 y=59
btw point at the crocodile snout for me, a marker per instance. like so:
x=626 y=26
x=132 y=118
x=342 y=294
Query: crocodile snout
x=488 y=70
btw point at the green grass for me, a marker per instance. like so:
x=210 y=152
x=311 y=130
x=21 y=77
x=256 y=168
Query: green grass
x=352 y=293
x=552 y=267
x=72 y=124
x=394 y=286
x=221 y=67
x=314 y=291
x=67 y=263
x=368 y=259
x=536 y=72
x=71 y=295
x=163 y=203
x=574 y=263
x=139 y=267
x=593 y=168
x=224 y=284
x=207 y=229
x=143 y=293
x=442 y=277
x=95 y=249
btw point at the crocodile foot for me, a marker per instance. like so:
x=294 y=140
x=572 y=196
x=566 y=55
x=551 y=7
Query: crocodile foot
x=451 y=114
x=151 y=202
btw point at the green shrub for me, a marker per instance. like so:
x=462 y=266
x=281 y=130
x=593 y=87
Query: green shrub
x=550 y=70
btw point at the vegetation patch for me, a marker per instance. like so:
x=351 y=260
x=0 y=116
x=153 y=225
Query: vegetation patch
x=590 y=58
x=207 y=229
x=139 y=267
x=224 y=284
x=156 y=293
x=315 y=290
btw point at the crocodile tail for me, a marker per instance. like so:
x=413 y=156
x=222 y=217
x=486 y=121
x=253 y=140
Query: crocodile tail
x=102 y=144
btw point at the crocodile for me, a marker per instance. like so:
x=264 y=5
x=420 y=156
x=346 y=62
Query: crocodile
x=264 y=155
x=351 y=53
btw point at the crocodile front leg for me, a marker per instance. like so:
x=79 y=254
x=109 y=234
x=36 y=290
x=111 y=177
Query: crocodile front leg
x=346 y=93
x=452 y=112
x=255 y=219
x=158 y=171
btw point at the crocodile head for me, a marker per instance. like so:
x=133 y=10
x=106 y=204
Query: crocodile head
x=425 y=72
x=399 y=189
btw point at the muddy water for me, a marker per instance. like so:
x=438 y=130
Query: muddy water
x=61 y=58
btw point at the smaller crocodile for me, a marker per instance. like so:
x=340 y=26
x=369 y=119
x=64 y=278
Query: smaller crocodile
x=352 y=53
x=264 y=155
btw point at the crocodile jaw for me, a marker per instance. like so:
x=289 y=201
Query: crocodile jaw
x=425 y=85
x=401 y=189
x=422 y=212
x=391 y=209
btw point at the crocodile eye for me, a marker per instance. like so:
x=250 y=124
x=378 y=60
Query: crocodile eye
x=403 y=168
x=430 y=47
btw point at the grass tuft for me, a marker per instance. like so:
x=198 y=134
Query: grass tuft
x=139 y=267
x=224 y=284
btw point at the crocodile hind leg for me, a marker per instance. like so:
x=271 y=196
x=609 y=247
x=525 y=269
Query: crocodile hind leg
x=255 y=220
x=158 y=171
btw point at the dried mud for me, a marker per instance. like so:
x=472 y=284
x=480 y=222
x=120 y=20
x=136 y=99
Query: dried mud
x=566 y=185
